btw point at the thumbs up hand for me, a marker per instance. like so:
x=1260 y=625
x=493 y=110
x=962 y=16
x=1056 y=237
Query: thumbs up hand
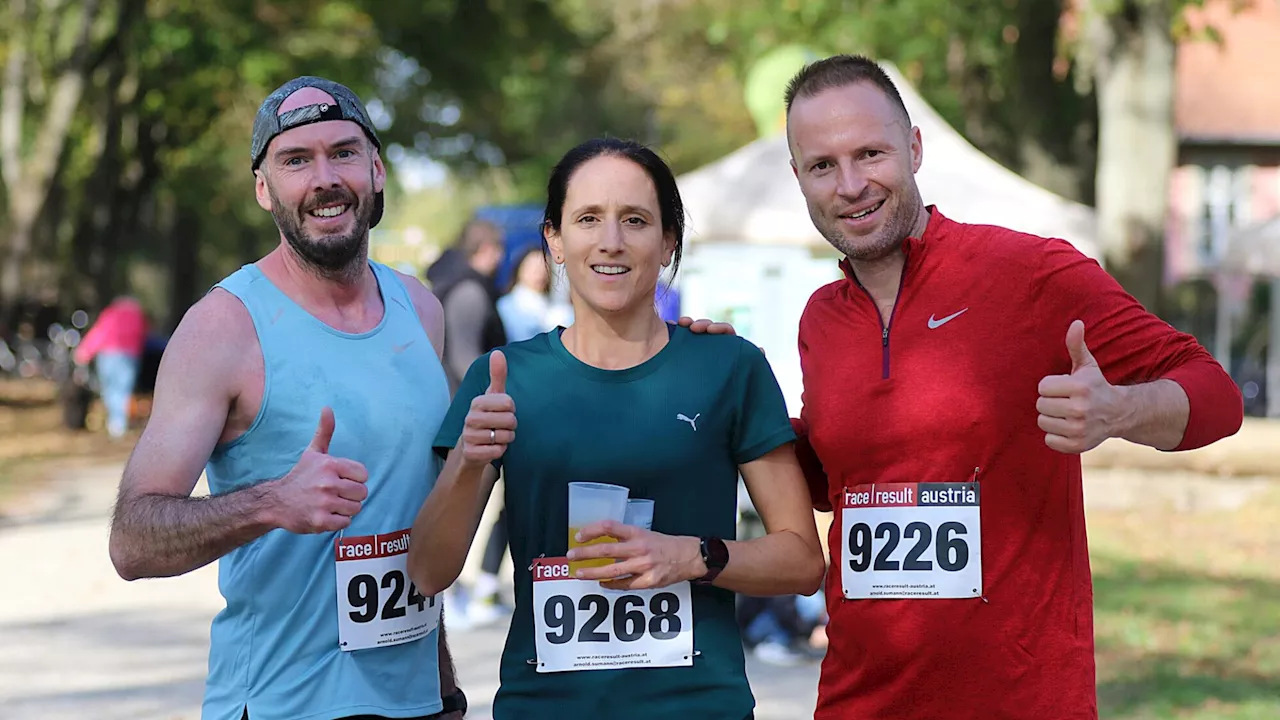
x=491 y=425
x=1080 y=410
x=322 y=492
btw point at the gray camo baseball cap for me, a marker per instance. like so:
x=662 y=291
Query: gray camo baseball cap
x=270 y=122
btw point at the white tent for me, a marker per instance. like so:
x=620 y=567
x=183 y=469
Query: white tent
x=751 y=195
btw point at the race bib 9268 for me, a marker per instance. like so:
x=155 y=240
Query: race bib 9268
x=579 y=625
x=911 y=540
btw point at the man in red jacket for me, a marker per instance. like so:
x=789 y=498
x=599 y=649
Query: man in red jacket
x=951 y=381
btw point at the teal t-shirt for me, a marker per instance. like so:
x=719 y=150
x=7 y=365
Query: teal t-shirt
x=673 y=429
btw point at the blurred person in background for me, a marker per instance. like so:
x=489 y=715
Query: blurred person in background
x=463 y=278
x=527 y=309
x=449 y=263
x=466 y=290
x=784 y=629
x=667 y=300
x=778 y=629
x=114 y=345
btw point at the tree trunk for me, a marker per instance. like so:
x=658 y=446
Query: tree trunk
x=184 y=268
x=1055 y=123
x=88 y=249
x=1137 y=142
x=28 y=177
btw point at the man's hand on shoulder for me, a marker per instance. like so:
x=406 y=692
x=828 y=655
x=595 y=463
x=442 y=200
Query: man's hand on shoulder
x=430 y=311
x=710 y=327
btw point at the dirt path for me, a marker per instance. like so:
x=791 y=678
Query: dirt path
x=91 y=645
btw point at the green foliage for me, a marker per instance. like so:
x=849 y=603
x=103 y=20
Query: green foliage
x=155 y=169
x=987 y=67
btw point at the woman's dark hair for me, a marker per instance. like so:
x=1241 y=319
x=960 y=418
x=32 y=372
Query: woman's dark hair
x=670 y=207
x=519 y=260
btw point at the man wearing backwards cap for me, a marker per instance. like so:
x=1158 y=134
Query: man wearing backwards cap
x=307 y=387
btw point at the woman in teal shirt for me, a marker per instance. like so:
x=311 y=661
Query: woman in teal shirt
x=623 y=398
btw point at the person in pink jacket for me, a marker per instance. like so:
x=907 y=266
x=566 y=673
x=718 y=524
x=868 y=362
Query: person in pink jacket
x=114 y=344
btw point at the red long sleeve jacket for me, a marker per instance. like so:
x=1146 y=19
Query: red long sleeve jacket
x=947 y=392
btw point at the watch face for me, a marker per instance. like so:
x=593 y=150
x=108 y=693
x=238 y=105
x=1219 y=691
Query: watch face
x=715 y=553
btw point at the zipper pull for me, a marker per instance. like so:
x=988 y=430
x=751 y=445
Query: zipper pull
x=884 y=338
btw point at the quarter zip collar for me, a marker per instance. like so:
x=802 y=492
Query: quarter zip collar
x=913 y=251
x=913 y=248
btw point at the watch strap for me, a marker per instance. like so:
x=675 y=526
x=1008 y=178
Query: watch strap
x=454 y=702
x=715 y=555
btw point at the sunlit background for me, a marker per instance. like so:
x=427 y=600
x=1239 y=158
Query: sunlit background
x=1145 y=132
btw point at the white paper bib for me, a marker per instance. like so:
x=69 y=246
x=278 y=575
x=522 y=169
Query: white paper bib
x=911 y=540
x=578 y=625
x=377 y=603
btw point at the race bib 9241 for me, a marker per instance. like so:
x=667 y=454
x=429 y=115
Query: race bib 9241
x=377 y=603
x=911 y=540
x=579 y=625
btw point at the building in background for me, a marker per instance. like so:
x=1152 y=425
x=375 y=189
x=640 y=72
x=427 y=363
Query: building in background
x=1228 y=179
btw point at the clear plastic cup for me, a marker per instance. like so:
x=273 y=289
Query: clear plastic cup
x=639 y=513
x=589 y=503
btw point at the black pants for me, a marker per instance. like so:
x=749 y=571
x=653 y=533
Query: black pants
x=783 y=608
x=497 y=544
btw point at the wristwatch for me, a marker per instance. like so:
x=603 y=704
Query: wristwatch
x=715 y=555
x=454 y=702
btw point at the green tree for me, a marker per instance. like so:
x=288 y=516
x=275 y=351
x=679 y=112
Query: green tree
x=987 y=67
x=50 y=53
x=486 y=84
x=1126 y=50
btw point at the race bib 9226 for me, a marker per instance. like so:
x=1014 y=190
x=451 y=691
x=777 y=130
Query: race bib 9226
x=911 y=540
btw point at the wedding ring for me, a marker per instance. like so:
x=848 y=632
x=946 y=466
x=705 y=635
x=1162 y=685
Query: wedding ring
x=493 y=436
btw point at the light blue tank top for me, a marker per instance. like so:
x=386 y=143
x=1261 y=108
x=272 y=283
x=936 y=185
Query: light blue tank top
x=274 y=648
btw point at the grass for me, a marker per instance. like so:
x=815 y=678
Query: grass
x=1187 y=612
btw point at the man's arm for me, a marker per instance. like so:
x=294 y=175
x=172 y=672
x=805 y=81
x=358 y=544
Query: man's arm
x=158 y=530
x=814 y=476
x=464 y=318
x=1156 y=414
x=448 y=674
x=430 y=312
x=1169 y=392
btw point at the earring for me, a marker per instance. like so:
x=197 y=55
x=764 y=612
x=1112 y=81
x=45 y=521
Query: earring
x=559 y=259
